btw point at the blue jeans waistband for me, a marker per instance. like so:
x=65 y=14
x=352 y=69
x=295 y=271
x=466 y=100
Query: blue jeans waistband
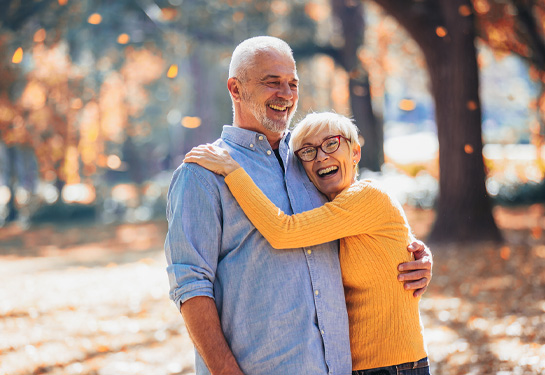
x=394 y=369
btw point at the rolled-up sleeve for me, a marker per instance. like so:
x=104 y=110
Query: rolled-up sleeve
x=193 y=240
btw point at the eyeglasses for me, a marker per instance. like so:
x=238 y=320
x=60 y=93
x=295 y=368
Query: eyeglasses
x=328 y=146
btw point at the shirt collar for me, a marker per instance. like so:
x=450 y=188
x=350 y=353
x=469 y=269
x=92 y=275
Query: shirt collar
x=247 y=138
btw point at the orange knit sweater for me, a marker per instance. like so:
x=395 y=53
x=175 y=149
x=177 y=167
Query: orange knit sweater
x=384 y=320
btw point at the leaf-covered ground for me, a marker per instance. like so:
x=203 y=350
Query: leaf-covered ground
x=93 y=300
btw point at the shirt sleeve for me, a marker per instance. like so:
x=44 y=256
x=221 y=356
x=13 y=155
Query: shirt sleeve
x=360 y=209
x=193 y=239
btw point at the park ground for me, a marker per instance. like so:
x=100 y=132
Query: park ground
x=92 y=300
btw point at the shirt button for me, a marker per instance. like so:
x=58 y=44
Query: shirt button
x=322 y=331
x=260 y=137
x=269 y=152
x=316 y=292
x=251 y=145
x=309 y=252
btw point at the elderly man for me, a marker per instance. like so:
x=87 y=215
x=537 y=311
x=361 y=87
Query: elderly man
x=251 y=309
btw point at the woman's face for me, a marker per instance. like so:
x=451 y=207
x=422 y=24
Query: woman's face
x=331 y=173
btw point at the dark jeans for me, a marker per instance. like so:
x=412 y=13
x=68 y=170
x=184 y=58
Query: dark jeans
x=421 y=367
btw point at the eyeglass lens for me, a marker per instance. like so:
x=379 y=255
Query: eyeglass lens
x=328 y=146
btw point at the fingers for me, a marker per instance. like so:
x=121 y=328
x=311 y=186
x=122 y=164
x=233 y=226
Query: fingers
x=417 y=275
x=419 y=292
x=414 y=275
x=193 y=156
x=419 y=286
x=420 y=264
x=416 y=246
x=199 y=152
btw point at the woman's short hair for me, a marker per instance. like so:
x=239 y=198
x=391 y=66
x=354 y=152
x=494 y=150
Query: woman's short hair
x=243 y=56
x=316 y=122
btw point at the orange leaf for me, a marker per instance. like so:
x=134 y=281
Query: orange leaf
x=505 y=252
x=537 y=232
x=103 y=348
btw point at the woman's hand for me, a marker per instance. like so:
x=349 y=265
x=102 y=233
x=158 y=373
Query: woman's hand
x=213 y=158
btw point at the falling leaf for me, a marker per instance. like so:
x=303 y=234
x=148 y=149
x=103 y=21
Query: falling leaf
x=17 y=56
x=172 y=71
x=464 y=10
x=471 y=105
x=407 y=105
x=505 y=252
x=39 y=36
x=191 y=122
x=94 y=19
x=441 y=31
x=123 y=39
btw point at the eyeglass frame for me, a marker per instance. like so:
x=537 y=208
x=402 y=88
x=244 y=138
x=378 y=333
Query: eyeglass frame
x=296 y=152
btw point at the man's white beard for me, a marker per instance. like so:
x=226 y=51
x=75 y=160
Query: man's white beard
x=260 y=113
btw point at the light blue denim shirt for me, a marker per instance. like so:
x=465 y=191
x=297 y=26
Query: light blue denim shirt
x=282 y=311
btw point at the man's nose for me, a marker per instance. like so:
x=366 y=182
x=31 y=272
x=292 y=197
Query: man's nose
x=285 y=91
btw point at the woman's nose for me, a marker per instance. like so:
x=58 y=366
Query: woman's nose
x=321 y=155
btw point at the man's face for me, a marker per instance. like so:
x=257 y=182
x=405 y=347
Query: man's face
x=269 y=95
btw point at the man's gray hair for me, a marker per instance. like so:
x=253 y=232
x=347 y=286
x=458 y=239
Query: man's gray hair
x=244 y=55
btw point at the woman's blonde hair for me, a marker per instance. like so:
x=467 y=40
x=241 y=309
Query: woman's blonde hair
x=332 y=122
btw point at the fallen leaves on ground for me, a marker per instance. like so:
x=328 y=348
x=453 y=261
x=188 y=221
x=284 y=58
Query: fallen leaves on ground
x=93 y=300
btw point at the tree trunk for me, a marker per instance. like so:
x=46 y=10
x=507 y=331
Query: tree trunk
x=446 y=37
x=12 y=181
x=371 y=128
x=349 y=13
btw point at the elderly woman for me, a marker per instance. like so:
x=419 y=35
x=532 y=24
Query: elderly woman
x=384 y=320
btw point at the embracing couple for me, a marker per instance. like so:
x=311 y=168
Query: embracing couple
x=254 y=261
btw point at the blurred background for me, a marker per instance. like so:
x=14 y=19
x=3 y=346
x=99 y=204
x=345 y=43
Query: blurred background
x=100 y=101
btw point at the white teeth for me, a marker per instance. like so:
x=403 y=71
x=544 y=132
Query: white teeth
x=277 y=107
x=327 y=170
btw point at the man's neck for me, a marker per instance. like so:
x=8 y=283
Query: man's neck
x=273 y=137
x=275 y=143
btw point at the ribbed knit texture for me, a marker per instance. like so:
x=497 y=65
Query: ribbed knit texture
x=385 y=326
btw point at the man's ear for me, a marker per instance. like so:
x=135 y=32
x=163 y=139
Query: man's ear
x=233 y=85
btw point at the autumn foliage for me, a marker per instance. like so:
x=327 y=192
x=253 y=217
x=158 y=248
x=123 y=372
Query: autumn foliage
x=94 y=300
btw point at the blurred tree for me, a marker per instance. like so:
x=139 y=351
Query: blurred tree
x=518 y=26
x=444 y=30
x=78 y=92
x=350 y=15
x=343 y=47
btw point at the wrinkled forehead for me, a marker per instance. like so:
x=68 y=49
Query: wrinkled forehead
x=272 y=63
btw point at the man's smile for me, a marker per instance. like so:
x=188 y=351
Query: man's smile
x=278 y=108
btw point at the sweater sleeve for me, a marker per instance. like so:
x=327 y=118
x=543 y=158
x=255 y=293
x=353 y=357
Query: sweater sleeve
x=358 y=210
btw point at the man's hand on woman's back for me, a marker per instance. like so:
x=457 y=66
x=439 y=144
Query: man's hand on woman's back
x=417 y=274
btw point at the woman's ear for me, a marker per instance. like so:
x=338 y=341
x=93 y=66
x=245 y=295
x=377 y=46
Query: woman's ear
x=233 y=85
x=356 y=153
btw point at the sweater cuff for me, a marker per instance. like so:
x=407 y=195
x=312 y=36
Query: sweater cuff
x=237 y=179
